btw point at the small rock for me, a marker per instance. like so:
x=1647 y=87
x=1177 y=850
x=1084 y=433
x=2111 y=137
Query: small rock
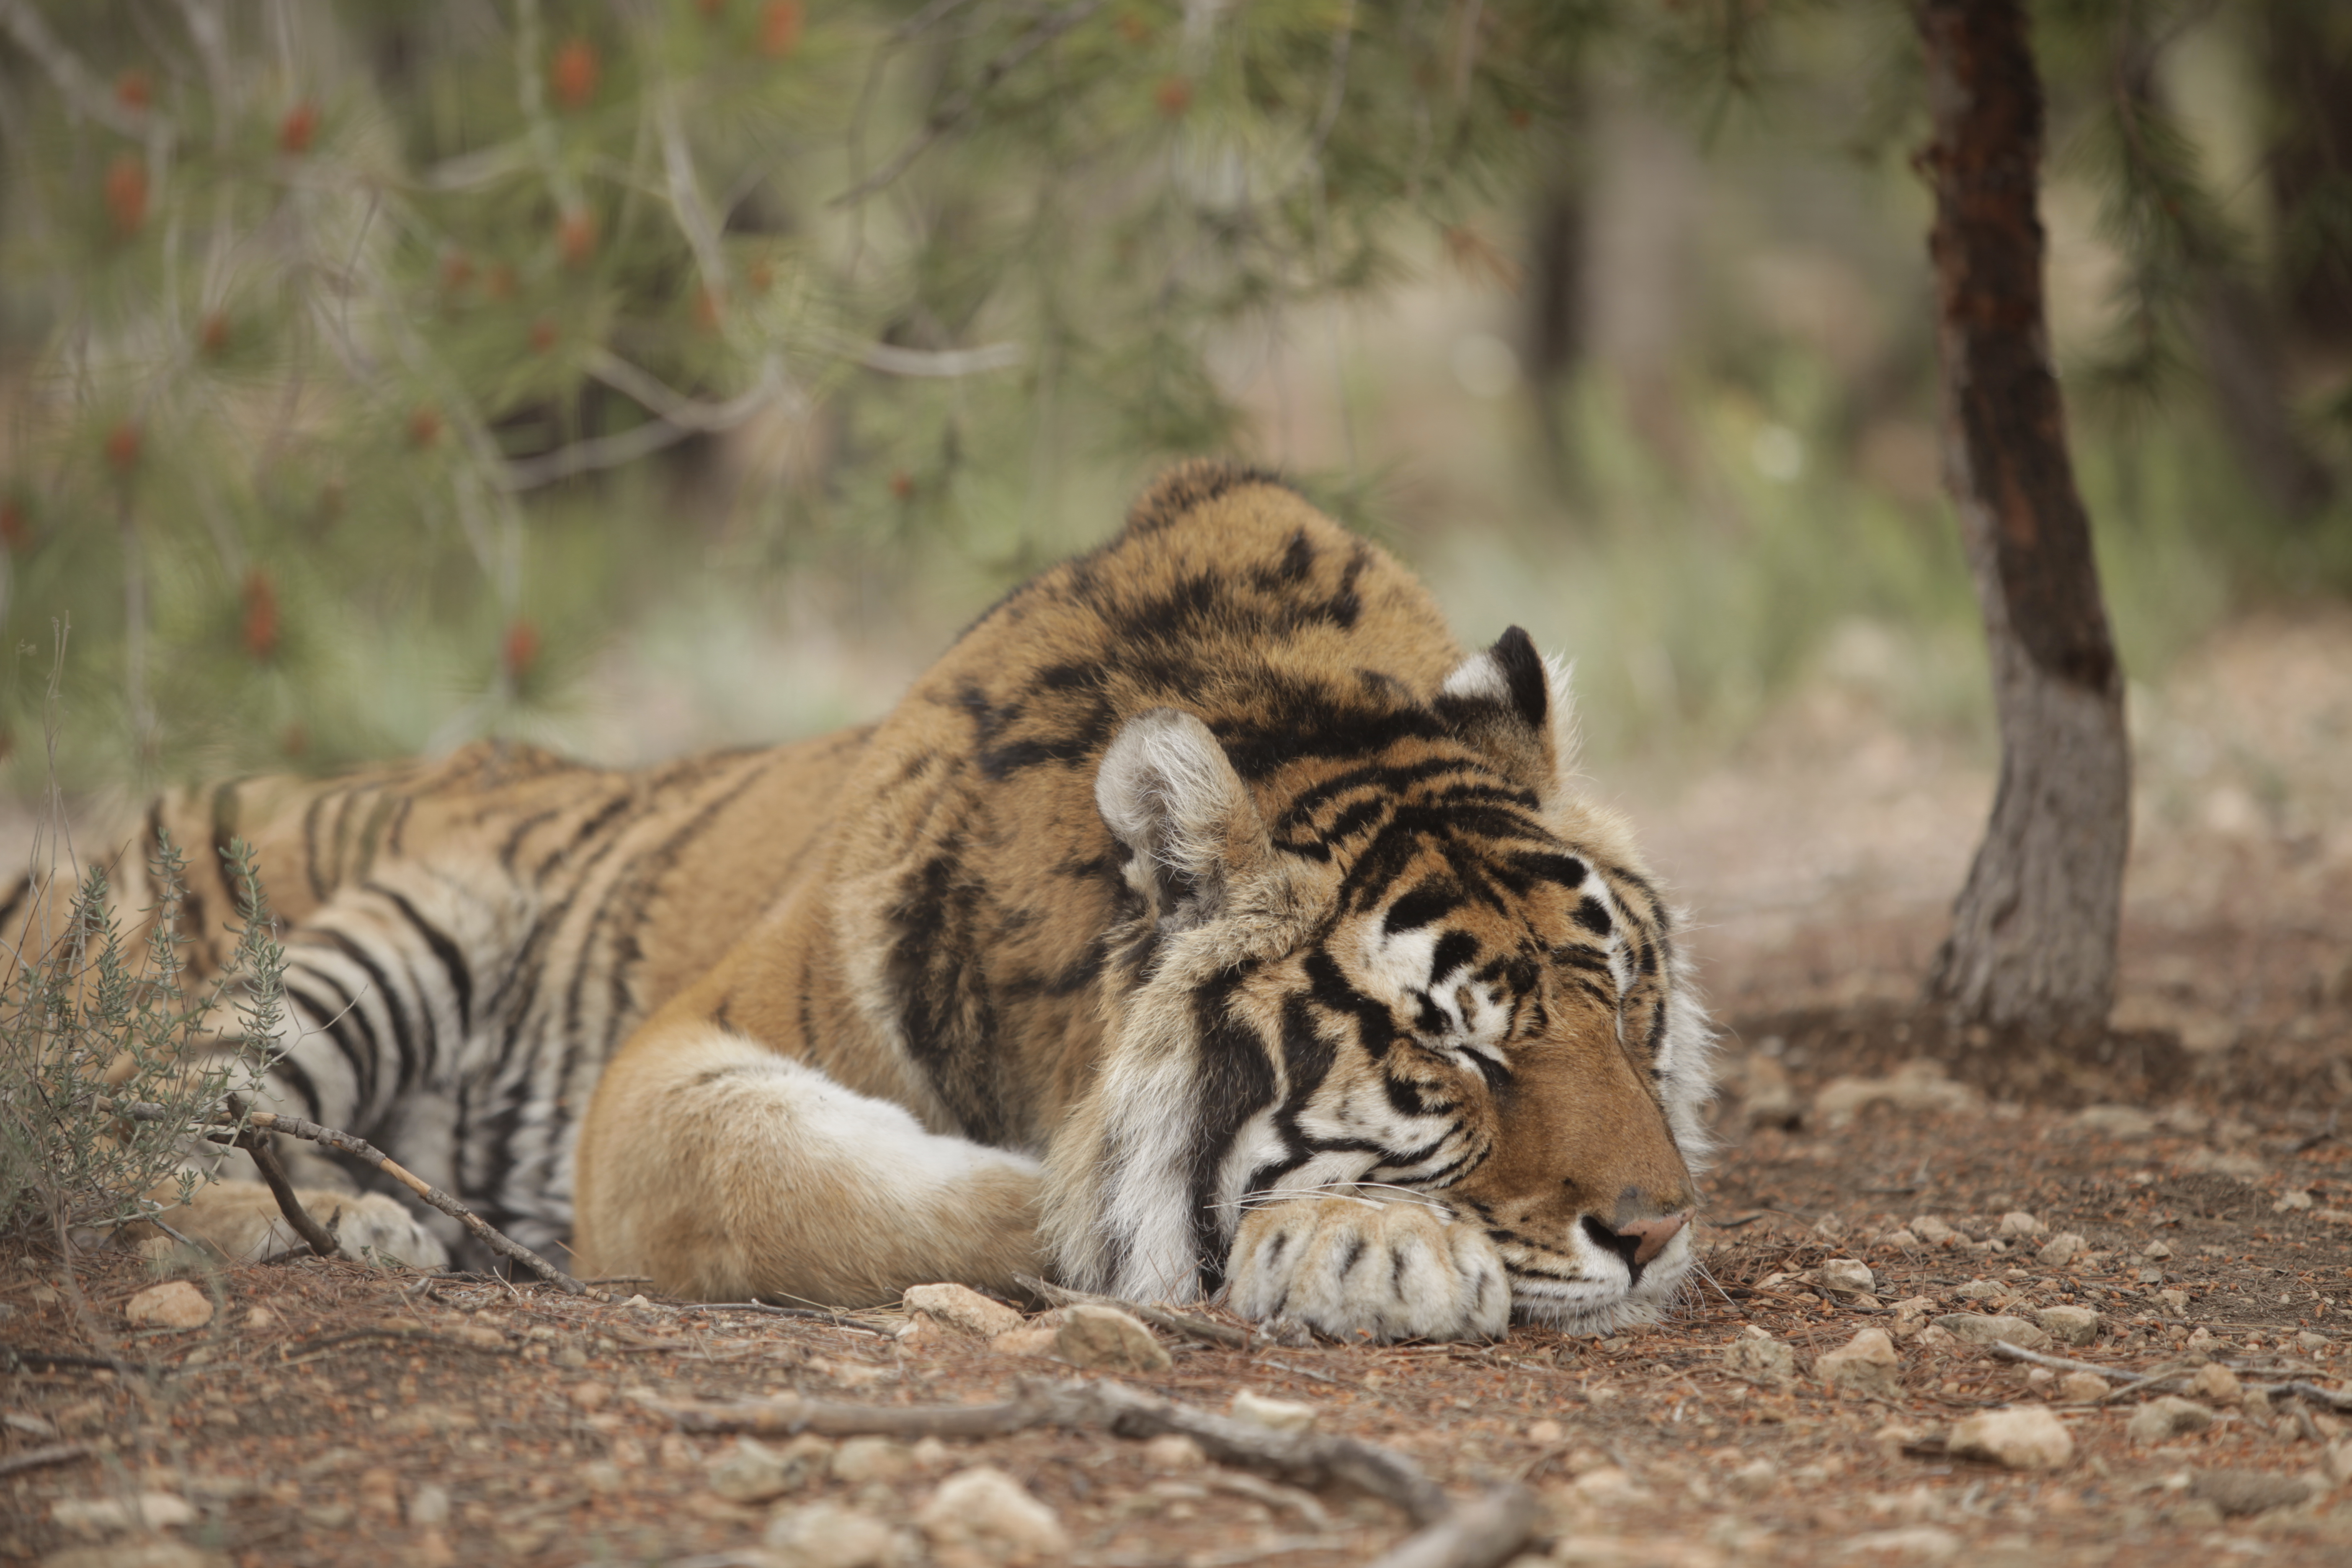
x=753 y=1472
x=2126 y=1124
x=2069 y=1325
x=986 y=1512
x=930 y=1455
x=1846 y=1277
x=1173 y=1451
x=1108 y=1340
x=1033 y=1339
x=1761 y=1358
x=2024 y=1438
x=2166 y=1418
x=1977 y=1329
x=602 y=1477
x=379 y=1491
x=428 y=1505
x=1867 y=1364
x=2337 y=1463
x=2017 y=1222
x=1935 y=1232
x=831 y=1535
x=107 y=1515
x=43 y=1295
x=2219 y=1383
x=2310 y=1343
x=1767 y=1099
x=2157 y=1249
x=2175 y=1301
x=2081 y=1388
x=2061 y=1249
x=1925 y=1543
x=1754 y=1479
x=1915 y=1088
x=2201 y=1342
x=2293 y=1199
x=1979 y=1290
x=860 y=1461
x=1279 y=1414
x=1546 y=1432
x=964 y=1310
x=2239 y=1492
x=174 y=1304
x=1902 y=1239
x=1607 y=1485
x=260 y=1317
x=592 y=1394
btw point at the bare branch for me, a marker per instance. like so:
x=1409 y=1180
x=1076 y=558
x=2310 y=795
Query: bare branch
x=948 y=115
x=54 y=1454
x=498 y=1241
x=1302 y=1458
x=1478 y=1534
x=321 y=1240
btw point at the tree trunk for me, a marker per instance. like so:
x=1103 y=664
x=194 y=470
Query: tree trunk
x=2032 y=948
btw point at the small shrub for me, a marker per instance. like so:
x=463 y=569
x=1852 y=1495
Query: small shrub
x=90 y=1018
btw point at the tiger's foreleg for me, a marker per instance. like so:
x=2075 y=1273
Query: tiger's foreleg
x=723 y=1169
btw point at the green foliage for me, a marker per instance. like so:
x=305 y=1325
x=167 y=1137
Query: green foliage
x=88 y=1018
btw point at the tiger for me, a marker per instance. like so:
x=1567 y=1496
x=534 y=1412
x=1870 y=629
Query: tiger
x=1206 y=924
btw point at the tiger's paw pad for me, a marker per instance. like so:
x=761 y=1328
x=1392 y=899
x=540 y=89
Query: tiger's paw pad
x=1350 y=1268
x=242 y=1222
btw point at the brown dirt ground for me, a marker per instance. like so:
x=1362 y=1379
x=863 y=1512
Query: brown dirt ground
x=1819 y=865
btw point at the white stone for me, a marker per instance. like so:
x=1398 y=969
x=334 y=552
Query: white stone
x=1924 y=1544
x=2218 y=1383
x=830 y=1535
x=2126 y=1124
x=1763 y=1359
x=2024 y=1438
x=1173 y=1451
x=107 y=1515
x=1755 y=1478
x=1108 y=1340
x=2069 y=1325
x=2162 y=1419
x=2157 y=1250
x=1281 y=1414
x=428 y=1505
x=962 y=1308
x=2061 y=1249
x=174 y=1304
x=1846 y=1277
x=1977 y=1329
x=1867 y=1364
x=860 y=1461
x=1916 y=1087
x=2017 y=1222
x=753 y=1472
x=1934 y=1231
x=2083 y=1388
x=986 y=1512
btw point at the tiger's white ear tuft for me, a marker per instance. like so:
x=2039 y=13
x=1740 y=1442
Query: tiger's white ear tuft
x=1513 y=704
x=1171 y=797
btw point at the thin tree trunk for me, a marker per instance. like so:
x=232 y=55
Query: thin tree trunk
x=2032 y=948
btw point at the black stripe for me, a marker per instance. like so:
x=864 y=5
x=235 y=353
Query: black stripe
x=452 y=960
x=404 y=1035
x=359 y=1056
x=1236 y=1081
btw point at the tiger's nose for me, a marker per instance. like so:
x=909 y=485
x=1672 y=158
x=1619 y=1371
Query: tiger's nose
x=1651 y=1235
x=1638 y=1241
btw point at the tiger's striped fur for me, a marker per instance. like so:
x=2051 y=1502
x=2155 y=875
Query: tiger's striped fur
x=1206 y=918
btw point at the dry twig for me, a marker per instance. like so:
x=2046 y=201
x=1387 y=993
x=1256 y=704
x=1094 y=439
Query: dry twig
x=1192 y=1328
x=498 y=1241
x=54 y=1454
x=320 y=1239
x=1302 y=1458
x=1478 y=1534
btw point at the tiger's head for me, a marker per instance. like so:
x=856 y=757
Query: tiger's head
x=1380 y=949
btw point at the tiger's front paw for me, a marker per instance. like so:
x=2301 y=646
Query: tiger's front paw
x=1348 y=1265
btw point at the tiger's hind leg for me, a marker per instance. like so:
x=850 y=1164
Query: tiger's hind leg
x=723 y=1169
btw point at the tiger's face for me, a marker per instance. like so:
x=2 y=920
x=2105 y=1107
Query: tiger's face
x=1446 y=1067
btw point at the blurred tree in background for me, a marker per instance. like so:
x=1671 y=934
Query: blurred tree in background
x=367 y=369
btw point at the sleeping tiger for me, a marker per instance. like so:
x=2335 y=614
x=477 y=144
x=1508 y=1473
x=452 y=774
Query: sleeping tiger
x=1206 y=923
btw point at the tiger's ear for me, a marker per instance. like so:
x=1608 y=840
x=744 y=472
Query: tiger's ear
x=1513 y=704
x=1189 y=829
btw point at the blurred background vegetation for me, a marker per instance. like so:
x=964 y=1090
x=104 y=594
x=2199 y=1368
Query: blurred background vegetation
x=634 y=374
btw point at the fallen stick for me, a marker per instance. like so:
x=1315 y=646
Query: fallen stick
x=2310 y=1391
x=54 y=1454
x=1478 y=1534
x=1302 y=1458
x=321 y=1240
x=498 y=1241
x=1192 y=1328
x=2008 y=1351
